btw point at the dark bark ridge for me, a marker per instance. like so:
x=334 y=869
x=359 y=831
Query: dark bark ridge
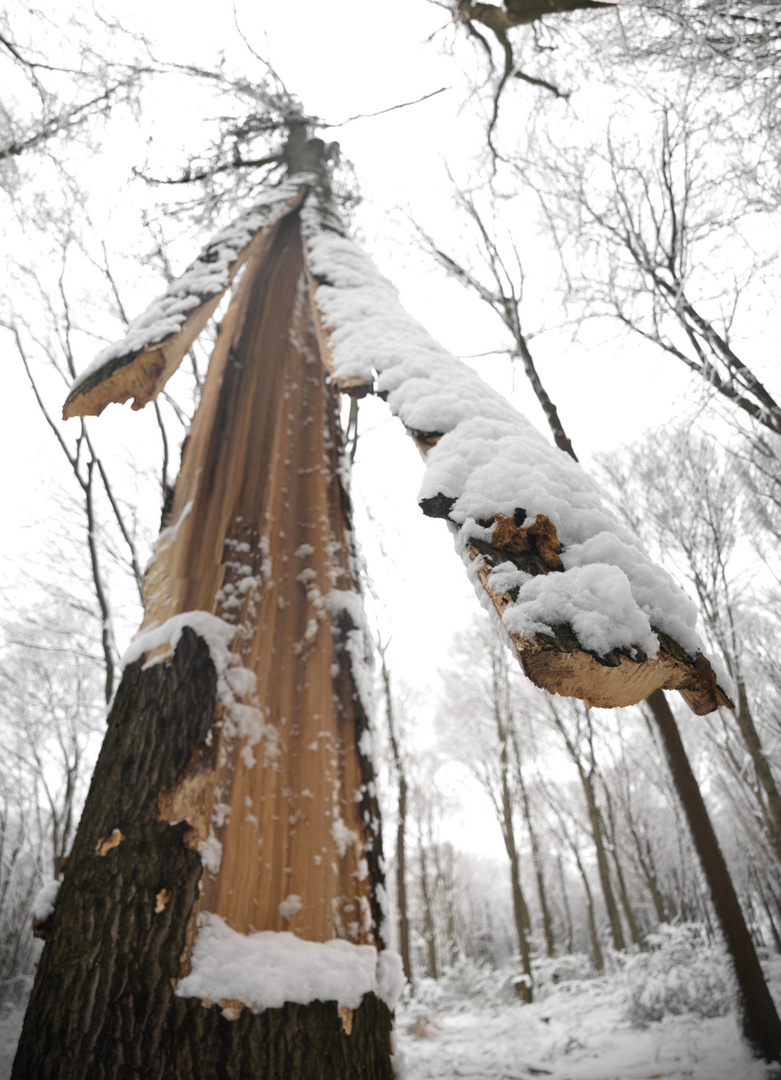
x=103 y=1005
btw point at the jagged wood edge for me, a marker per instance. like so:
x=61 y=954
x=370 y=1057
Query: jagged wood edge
x=142 y=373
x=558 y=660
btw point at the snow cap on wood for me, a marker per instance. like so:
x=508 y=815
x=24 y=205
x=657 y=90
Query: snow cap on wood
x=599 y=621
x=142 y=362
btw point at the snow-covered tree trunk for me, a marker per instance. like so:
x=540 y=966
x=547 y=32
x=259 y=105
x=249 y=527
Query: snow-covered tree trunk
x=221 y=913
x=105 y=1000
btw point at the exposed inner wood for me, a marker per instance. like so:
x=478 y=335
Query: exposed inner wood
x=142 y=375
x=106 y=843
x=576 y=673
x=259 y=538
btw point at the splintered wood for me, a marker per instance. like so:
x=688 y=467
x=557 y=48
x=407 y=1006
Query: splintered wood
x=142 y=373
x=558 y=665
x=258 y=537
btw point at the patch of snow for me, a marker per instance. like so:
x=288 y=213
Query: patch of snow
x=266 y=969
x=210 y=851
x=45 y=899
x=579 y=1032
x=204 y=279
x=290 y=906
x=343 y=837
x=217 y=634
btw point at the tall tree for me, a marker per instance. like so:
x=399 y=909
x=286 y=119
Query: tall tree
x=223 y=802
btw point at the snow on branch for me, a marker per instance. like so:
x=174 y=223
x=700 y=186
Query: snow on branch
x=588 y=613
x=156 y=341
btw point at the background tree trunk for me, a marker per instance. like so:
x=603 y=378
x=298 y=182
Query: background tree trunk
x=758 y=1017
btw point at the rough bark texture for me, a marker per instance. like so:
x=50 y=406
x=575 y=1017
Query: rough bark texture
x=757 y=1014
x=103 y=1006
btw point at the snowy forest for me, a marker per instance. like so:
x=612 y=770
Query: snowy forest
x=369 y=806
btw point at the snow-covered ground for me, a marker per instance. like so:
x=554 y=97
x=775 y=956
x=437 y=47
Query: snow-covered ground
x=577 y=1033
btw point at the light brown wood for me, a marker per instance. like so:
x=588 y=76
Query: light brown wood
x=259 y=538
x=143 y=375
x=578 y=674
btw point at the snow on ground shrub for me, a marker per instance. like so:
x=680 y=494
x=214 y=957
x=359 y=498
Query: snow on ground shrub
x=681 y=974
x=468 y=984
x=553 y=973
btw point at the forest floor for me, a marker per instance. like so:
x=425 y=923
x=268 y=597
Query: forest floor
x=577 y=1031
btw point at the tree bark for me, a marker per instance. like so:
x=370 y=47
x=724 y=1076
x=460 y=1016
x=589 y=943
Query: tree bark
x=432 y=968
x=599 y=961
x=645 y=862
x=748 y=730
x=547 y=925
x=520 y=911
x=254 y=805
x=599 y=846
x=565 y=904
x=401 y=850
x=104 y=1003
x=758 y=1018
x=629 y=915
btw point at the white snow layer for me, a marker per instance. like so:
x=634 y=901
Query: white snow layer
x=217 y=634
x=266 y=969
x=205 y=278
x=490 y=460
x=45 y=899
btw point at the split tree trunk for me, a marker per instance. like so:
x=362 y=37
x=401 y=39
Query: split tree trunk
x=757 y=1013
x=104 y=1002
x=272 y=780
